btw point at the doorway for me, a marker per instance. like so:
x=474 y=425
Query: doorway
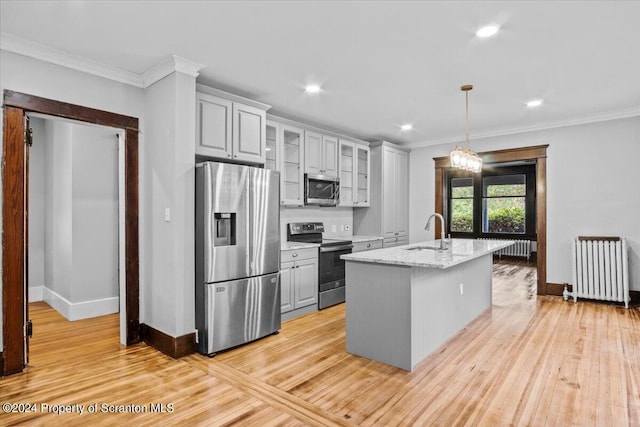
x=15 y=217
x=537 y=155
x=74 y=219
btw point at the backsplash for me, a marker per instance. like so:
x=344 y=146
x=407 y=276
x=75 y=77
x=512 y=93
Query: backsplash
x=338 y=222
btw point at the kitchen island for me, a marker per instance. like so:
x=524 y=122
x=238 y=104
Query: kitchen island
x=404 y=302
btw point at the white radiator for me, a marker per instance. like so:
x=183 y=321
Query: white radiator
x=521 y=248
x=600 y=269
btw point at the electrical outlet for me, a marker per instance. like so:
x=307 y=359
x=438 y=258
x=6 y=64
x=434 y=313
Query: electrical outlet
x=167 y=214
x=333 y=228
x=461 y=288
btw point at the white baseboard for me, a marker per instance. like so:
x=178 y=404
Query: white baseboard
x=80 y=310
x=36 y=293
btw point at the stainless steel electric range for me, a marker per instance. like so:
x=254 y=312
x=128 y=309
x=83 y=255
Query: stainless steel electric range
x=331 y=283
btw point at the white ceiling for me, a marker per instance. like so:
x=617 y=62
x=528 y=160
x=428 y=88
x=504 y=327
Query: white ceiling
x=380 y=64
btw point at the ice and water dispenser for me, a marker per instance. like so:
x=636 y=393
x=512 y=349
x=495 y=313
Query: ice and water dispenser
x=225 y=229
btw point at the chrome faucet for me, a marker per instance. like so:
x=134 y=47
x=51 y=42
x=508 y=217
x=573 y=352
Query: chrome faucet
x=428 y=226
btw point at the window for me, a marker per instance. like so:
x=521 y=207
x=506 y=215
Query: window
x=461 y=205
x=499 y=202
x=503 y=204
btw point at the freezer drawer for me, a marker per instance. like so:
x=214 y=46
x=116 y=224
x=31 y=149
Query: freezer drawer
x=240 y=311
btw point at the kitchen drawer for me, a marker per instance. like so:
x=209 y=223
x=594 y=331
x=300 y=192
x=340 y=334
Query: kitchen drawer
x=396 y=241
x=367 y=246
x=298 y=254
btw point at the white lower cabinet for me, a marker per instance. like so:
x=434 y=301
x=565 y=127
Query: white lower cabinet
x=298 y=279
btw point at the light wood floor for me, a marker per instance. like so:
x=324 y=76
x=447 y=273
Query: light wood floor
x=538 y=361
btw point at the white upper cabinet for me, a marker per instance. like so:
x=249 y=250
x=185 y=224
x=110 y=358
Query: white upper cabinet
x=321 y=154
x=389 y=191
x=388 y=195
x=329 y=155
x=361 y=175
x=292 y=149
x=214 y=126
x=402 y=195
x=229 y=129
x=313 y=153
x=354 y=174
x=272 y=150
x=249 y=139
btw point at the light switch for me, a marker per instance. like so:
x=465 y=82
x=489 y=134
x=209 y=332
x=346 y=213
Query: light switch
x=167 y=214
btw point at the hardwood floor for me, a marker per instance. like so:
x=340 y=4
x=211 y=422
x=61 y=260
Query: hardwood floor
x=538 y=361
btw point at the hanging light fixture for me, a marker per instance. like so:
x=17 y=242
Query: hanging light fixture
x=464 y=158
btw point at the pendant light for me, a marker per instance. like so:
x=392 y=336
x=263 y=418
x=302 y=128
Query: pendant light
x=464 y=158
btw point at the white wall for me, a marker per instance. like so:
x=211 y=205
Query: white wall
x=22 y=74
x=169 y=300
x=73 y=235
x=36 y=208
x=94 y=214
x=338 y=219
x=592 y=187
x=58 y=257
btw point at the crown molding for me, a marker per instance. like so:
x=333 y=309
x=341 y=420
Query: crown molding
x=602 y=117
x=231 y=96
x=24 y=47
x=173 y=63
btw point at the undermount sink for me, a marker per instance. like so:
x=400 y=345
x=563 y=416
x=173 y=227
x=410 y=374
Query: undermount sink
x=426 y=248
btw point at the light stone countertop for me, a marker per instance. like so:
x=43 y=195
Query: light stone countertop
x=459 y=251
x=360 y=239
x=289 y=246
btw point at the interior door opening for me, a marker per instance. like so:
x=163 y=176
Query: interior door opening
x=16 y=106
x=75 y=214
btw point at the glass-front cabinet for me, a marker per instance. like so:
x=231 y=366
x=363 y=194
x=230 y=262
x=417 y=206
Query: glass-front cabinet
x=291 y=165
x=354 y=174
x=272 y=150
x=362 y=172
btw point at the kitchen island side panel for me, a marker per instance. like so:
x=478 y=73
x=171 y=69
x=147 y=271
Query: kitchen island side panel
x=378 y=312
x=398 y=315
x=439 y=310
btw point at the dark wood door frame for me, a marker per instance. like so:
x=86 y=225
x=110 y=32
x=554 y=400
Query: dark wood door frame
x=16 y=105
x=536 y=153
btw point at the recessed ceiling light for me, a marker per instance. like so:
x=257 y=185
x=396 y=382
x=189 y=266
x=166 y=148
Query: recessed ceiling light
x=312 y=89
x=487 y=31
x=406 y=127
x=534 y=103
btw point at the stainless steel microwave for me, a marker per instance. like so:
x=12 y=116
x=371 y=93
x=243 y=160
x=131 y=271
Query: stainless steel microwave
x=321 y=190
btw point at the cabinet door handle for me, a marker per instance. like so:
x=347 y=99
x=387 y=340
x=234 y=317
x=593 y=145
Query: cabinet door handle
x=228 y=155
x=294 y=255
x=368 y=245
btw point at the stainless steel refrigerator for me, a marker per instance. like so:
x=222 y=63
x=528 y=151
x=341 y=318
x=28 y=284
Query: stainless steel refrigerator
x=237 y=255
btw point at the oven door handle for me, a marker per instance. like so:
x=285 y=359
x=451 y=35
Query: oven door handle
x=336 y=248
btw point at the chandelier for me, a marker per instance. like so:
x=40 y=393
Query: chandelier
x=464 y=158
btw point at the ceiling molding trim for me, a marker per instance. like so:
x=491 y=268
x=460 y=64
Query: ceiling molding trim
x=615 y=115
x=11 y=43
x=171 y=64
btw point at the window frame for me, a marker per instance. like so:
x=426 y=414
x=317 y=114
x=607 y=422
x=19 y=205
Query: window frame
x=529 y=170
